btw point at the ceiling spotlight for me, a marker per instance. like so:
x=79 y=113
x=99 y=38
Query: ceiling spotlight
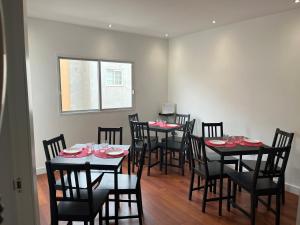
x=166 y=35
x=297 y=1
x=215 y=21
x=109 y=25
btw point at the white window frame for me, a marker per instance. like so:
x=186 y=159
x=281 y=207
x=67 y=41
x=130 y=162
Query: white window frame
x=99 y=83
x=132 y=86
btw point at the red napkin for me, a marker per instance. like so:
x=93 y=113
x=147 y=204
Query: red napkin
x=85 y=152
x=101 y=154
x=244 y=143
x=163 y=125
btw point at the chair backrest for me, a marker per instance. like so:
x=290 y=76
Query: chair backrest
x=181 y=118
x=275 y=165
x=133 y=117
x=141 y=162
x=140 y=133
x=191 y=126
x=282 y=138
x=187 y=129
x=69 y=191
x=110 y=135
x=53 y=146
x=211 y=130
x=197 y=152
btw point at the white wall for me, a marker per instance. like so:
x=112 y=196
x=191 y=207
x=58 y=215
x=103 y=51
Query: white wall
x=245 y=74
x=47 y=40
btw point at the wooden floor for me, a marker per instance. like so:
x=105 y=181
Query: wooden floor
x=165 y=202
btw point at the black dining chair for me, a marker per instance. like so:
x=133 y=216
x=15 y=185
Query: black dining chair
x=215 y=130
x=71 y=202
x=180 y=119
x=110 y=135
x=133 y=117
x=180 y=147
x=128 y=185
x=140 y=135
x=209 y=170
x=52 y=148
x=261 y=182
x=281 y=139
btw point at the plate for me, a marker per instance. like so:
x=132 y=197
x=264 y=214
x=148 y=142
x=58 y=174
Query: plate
x=114 y=152
x=252 y=141
x=217 y=142
x=172 y=125
x=72 y=150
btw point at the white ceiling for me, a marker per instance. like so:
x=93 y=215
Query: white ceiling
x=155 y=17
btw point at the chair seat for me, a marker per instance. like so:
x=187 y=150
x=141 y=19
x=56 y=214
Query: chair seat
x=251 y=164
x=154 y=144
x=81 y=179
x=214 y=170
x=245 y=180
x=173 y=138
x=211 y=156
x=125 y=182
x=80 y=210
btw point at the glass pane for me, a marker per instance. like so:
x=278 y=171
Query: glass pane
x=116 y=85
x=79 y=81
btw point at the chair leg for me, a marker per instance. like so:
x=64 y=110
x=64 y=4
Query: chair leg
x=198 y=183
x=69 y=223
x=269 y=201
x=129 y=200
x=191 y=185
x=253 y=207
x=54 y=222
x=211 y=182
x=181 y=157
x=205 y=195
x=139 y=208
x=277 y=208
x=107 y=212
x=92 y=221
x=228 y=194
x=149 y=163
x=215 y=186
x=133 y=159
x=240 y=170
x=283 y=190
x=100 y=217
x=234 y=192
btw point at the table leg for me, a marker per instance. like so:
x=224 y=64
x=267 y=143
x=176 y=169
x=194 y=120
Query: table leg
x=129 y=161
x=166 y=154
x=116 y=196
x=221 y=185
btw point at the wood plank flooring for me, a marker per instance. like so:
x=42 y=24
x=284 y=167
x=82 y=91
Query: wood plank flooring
x=165 y=202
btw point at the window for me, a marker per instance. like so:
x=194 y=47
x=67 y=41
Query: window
x=80 y=85
x=116 y=85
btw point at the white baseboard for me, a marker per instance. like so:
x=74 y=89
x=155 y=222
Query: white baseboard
x=292 y=188
x=40 y=170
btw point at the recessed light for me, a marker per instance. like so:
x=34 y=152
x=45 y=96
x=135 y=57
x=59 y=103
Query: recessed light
x=215 y=21
x=297 y=1
x=109 y=25
x=166 y=35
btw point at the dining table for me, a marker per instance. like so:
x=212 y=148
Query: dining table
x=233 y=148
x=164 y=128
x=98 y=160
